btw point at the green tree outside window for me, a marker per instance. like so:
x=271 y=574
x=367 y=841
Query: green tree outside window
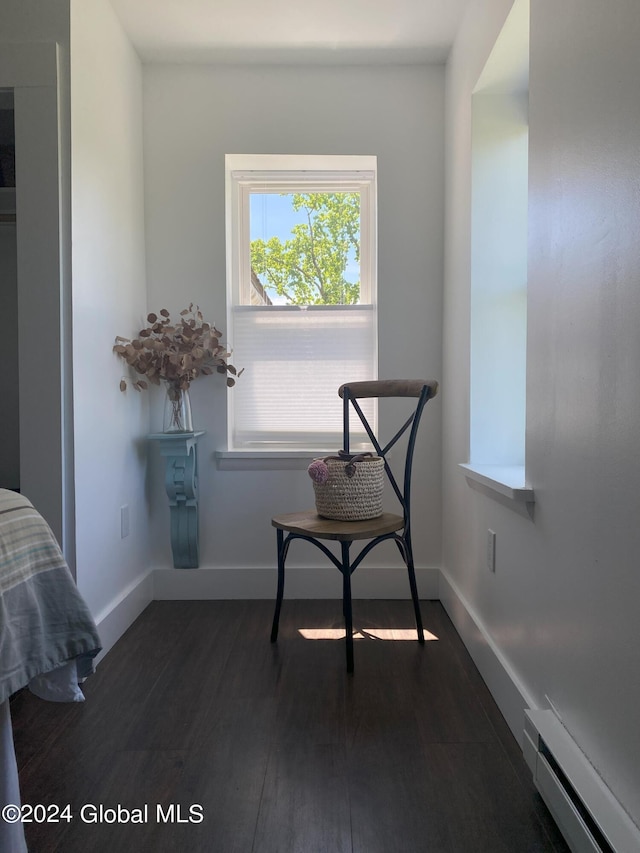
x=310 y=268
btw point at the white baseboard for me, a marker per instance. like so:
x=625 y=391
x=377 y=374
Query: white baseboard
x=121 y=613
x=509 y=693
x=326 y=582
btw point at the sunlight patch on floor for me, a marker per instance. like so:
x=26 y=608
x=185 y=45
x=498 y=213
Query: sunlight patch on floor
x=364 y=634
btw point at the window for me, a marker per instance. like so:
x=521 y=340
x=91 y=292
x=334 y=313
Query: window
x=499 y=260
x=301 y=272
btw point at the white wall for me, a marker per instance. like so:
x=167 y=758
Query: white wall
x=109 y=299
x=193 y=117
x=561 y=609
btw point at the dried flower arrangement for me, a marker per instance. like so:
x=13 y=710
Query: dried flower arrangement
x=176 y=353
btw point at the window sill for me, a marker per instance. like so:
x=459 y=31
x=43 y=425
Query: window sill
x=267 y=460
x=505 y=480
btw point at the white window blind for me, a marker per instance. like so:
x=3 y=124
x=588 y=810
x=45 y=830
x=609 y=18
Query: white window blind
x=295 y=360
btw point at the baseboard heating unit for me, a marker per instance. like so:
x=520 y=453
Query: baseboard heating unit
x=588 y=815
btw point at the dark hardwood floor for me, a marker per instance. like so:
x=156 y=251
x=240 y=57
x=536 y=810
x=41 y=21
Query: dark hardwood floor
x=282 y=750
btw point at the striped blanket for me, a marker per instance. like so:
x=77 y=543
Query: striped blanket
x=44 y=622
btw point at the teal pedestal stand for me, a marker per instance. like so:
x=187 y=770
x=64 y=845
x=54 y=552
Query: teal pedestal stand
x=181 y=482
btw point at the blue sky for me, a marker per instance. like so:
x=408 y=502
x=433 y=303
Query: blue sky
x=272 y=215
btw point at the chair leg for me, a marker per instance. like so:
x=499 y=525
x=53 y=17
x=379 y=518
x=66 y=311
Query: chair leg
x=346 y=604
x=414 y=587
x=280 y=592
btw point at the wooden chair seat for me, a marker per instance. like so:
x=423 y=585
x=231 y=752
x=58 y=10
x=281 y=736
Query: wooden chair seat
x=309 y=523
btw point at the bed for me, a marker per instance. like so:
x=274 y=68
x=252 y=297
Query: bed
x=48 y=638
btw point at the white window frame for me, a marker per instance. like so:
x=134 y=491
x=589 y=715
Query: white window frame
x=287 y=174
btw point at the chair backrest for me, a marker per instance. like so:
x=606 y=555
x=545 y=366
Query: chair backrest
x=423 y=390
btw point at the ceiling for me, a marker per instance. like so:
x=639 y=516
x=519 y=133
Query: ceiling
x=291 y=31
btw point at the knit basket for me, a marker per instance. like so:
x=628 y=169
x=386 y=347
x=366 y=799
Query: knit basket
x=349 y=489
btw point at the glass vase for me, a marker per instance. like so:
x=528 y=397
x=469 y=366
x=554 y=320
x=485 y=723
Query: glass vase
x=177 y=410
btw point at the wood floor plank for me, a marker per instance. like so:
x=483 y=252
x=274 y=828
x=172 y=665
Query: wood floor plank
x=190 y=680
x=394 y=800
x=226 y=773
x=282 y=749
x=305 y=803
x=133 y=781
x=475 y=782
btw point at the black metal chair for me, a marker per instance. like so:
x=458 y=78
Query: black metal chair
x=310 y=527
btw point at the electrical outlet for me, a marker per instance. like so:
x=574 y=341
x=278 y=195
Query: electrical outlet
x=491 y=550
x=124 y=521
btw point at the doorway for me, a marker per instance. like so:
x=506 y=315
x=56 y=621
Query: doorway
x=40 y=235
x=9 y=385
